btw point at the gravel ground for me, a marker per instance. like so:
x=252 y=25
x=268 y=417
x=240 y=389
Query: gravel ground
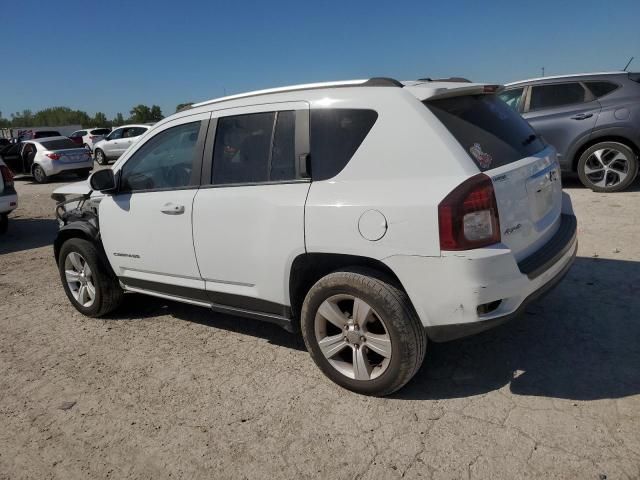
x=163 y=390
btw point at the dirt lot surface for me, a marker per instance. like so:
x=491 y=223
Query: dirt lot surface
x=163 y=390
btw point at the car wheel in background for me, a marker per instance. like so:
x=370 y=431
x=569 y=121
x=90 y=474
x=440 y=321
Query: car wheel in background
x=608 y=167
x=39 y=175
x=362 y=332
x=91 y=287
x=4 y=222
x=101 y=157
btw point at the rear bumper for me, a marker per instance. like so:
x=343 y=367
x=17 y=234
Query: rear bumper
x=8 y=200
x=446 y=291
x=54 y=168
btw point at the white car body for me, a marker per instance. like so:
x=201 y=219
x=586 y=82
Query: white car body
x=470 y=237
x=91 y=136
x=8 y=194
x=119 y=140
x=72 y=159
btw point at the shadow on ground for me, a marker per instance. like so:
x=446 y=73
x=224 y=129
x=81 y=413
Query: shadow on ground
x=580 y=342
x=28 y=233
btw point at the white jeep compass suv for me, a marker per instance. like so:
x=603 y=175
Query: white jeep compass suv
x=368 y=215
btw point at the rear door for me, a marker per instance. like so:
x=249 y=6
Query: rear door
x=248 y=216
x=524 y=171
x=562 y=113
x=12 y=156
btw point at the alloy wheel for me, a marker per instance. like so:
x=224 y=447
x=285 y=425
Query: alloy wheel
x=353 y=337
x=607 y=167
x=79 y=279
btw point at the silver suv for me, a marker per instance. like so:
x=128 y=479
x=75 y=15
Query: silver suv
x=114 y=144
x=593 y=120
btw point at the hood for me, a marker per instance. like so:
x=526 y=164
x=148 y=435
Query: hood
x=76 y=188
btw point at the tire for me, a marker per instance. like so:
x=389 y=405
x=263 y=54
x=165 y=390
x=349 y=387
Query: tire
x=83 y=174
x=4 y=222
x=608 y=167
x=405 y=337
x=107 y=292
x=101 y=158
x=39 y=175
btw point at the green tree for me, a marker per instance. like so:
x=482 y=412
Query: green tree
x=156 y=114
x=182 y=106
x=139 y=114
x=100 y=120
x=119 y=120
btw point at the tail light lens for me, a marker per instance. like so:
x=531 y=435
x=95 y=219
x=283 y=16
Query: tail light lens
x=7 y=176
x=53 y=156
x=468 y=216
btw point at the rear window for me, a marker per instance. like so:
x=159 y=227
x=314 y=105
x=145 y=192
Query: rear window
x=600 y=89
x=100 y=131
x=336 y=134
x=491 y=133
x=61 y=144
x=46 y=133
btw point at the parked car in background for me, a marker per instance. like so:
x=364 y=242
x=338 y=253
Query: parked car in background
x=46 y=157
x=89 y=137
x=593 y=120
x=8 y=196
x=115 y=144
x=367 y=215
x=41 y=134
x=4 y=142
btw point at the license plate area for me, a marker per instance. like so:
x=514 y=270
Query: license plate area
x=541 y=190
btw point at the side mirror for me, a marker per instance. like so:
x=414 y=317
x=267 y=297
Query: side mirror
x=103 y=181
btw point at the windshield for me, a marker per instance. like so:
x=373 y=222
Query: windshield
x=490 y=132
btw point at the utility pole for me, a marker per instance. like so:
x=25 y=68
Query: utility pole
x=627 y=65
x=543 y=71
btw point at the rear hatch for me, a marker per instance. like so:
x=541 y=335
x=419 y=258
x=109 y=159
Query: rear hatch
x=65 y=151
x=524 y=171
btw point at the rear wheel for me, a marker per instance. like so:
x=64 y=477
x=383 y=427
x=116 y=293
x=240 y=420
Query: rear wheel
x=608 y=167
x=101 y=158
x=362 y=332
x=39 y=175
x=4 y=222
x=90 y=286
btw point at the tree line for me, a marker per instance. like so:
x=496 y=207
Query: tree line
x=57 y=116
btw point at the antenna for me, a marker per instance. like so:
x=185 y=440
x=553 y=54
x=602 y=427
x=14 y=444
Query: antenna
x=543 y=71
x=627 y=65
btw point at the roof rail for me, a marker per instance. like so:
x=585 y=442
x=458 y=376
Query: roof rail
x=382 y=82
x=449 y=79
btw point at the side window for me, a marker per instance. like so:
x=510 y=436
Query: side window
x=600 y=89
x=556 y=95
x=164 y=161
x=512 y=98
x=116 y=134
x=134 y=132
x=248 y=150
x=335 y=135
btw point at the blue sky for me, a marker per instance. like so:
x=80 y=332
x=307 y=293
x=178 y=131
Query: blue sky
x=108 y=56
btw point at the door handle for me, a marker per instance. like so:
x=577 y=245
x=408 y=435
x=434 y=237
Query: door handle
x=582 y=116
x=172 y=209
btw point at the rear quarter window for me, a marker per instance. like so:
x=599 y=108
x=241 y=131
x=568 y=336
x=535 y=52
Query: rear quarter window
x=487 y=128
x=335 y=135
x=600 y=89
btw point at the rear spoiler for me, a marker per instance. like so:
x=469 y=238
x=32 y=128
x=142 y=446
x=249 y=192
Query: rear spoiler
x=432 y=92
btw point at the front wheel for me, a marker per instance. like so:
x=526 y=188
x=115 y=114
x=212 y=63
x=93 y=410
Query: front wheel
x=92 y=289
x=101 y=158
x=39 y=175
x=362 y=332
x=608 y=167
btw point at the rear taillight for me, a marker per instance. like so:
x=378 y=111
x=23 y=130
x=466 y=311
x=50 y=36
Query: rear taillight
x=468 y=216
x=53 y=156
x=7 y=176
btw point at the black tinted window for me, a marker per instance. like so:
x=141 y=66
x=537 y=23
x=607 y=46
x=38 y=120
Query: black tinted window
x=164 y=161
x=44 y=134
x=600 y=89
x=247 y=150
x=61 y=144
x=100 y=131
x=336 y=134
x=492 y=133
x=556 y=95
x=116 y=134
